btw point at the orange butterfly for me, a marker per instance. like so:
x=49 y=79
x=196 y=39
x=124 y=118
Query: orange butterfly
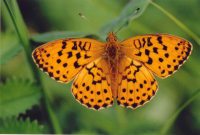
x=113 y=70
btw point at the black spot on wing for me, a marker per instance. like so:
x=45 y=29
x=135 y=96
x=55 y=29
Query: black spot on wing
x=64 y=44
x=58 y=61
x=147 y=52
x=86 y=56
x=69 y=54
x=60 y=53
x=155 y=50
x=149 y=43
x=75 y=45
x=78 y=55
x=150 y=60
x=159 y=38
x=139 y=54
x=76 y=65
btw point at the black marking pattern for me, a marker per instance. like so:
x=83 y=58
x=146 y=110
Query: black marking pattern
x=84 y=46
x=131 y=85
x=63 y=59
x=94 y=88
x=157 y=51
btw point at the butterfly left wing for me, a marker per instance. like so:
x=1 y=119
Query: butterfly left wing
x=136 y=84
x=92 y=86
x=62 y=59
x=161 y=53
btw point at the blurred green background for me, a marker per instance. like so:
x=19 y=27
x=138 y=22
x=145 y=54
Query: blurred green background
x=31 y=102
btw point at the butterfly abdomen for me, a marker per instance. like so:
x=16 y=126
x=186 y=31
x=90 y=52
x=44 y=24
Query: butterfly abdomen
x=111 y=52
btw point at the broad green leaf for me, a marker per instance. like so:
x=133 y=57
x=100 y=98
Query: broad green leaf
x=8 y=55
x=131 y=11
x=8 y=49
x=49 y=36
x=14 y=126
x=16 y=96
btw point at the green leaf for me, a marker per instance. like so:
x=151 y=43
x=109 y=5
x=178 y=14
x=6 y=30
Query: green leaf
x=49 y=36
x=131 y=11
x=9 y=49
x=12 y=52
x=17 y=96
x=14 y=126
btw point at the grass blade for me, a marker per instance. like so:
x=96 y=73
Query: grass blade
x=179 y=23
x=22 y=34
x=169 y=123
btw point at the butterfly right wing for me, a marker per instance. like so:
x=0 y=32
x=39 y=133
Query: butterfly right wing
x=163 y=54
x=63 y=59
x=136 y=84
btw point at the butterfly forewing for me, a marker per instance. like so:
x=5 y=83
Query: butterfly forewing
x=63 y=59
x=163 y=54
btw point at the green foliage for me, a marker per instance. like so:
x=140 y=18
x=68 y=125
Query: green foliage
x=16 y=16
x=170 y=122
x=8 y=50
x=59 y=19
x=49 y=36
x=179 y=23
x=15 y=126
x=21 y=30
x=18 y=95
x=132 y=10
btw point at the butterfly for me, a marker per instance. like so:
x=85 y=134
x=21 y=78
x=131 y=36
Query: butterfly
x=114 y=70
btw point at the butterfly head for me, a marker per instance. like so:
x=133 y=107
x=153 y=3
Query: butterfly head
x=111 y=37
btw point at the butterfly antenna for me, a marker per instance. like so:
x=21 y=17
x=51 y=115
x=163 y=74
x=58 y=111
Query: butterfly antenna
x=118 y=29
x=86 y=19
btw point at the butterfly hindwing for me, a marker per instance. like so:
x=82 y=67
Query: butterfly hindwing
x=92 y=87
x=63 y=59
x=136 y=84
x=163 y=54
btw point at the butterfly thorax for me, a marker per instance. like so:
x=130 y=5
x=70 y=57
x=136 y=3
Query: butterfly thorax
x=112 y=51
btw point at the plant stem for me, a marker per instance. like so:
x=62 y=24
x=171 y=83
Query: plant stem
x=164 y=130
x=22 y=33
x=179 y=23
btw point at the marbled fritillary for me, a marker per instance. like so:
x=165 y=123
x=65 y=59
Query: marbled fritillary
x=113 y=70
